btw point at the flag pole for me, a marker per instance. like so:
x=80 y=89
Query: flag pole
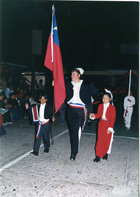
x=52 y=33
x=129 y=83
x=52 y=131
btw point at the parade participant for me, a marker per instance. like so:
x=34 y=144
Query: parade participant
x=129 y=101
x=41 y=115
x=78 y=98
x=107 y=114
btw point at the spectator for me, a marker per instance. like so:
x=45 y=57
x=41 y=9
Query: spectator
x=36 y=85
x=21 y=93
x=4 y=110
x=8 y=90
x=40 y=85
x=1 y=89
x=21 y=84
x=4 y=82
x=32 y=101
x=24 y=100
x=29 y=90
x=16 y=91
x=10 y=82
x=14 y=109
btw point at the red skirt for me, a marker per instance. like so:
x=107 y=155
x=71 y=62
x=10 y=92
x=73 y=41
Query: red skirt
x=104 y=139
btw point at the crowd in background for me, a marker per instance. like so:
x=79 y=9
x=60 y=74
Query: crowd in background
x=15 y=93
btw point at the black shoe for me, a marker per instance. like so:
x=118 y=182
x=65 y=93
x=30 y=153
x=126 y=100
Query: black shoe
x=105 y=157
x=34 y=153
x=97 y=159
x=46 y=150
x=73 y=156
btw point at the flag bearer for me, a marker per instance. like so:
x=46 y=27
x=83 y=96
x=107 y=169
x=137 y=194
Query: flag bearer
x=78 y=98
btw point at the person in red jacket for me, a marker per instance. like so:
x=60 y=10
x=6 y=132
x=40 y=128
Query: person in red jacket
x=107 y=114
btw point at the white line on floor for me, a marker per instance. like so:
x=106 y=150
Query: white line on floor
x=134 y=138
x=26 y=154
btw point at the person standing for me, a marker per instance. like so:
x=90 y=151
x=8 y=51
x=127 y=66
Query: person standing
x=107 y=114
x=41 y=115
x=129 y=101
x=78 y=98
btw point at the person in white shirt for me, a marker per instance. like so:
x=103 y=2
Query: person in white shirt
x=41 y=115
x=129 y=101
x=78 y=98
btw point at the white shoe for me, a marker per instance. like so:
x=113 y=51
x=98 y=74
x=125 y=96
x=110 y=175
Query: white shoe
x=6 y=123
x=9 y=122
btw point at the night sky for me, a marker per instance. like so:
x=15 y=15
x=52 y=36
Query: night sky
x=90 y=33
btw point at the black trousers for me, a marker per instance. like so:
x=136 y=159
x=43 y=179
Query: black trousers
x=75 y=118
x=45 y=133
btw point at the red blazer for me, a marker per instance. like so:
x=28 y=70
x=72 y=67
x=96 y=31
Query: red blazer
x=110 y=114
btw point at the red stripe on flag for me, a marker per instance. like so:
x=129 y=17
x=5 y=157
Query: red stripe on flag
x=57 y=67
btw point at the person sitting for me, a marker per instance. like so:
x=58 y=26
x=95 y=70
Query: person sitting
x=4 y=110
x=1 y=89
x=21 y=93
x=8 y=90
x=14 y=109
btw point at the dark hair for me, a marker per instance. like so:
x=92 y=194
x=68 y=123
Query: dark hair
x=4 y=98
x=43 y=94
x=1 y=94
x=11 y=94
x=74 y=69
x=107 y=93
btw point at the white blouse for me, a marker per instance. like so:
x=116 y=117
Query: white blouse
x=105 y=106
x=41 y=113
x=76 y=95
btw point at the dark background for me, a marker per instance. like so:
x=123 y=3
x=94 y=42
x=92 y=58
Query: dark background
x=90 y=33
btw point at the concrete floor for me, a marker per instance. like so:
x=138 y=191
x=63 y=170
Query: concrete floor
x=54 y=175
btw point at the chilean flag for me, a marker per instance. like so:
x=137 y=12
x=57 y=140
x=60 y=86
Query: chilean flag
x=53 y=61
